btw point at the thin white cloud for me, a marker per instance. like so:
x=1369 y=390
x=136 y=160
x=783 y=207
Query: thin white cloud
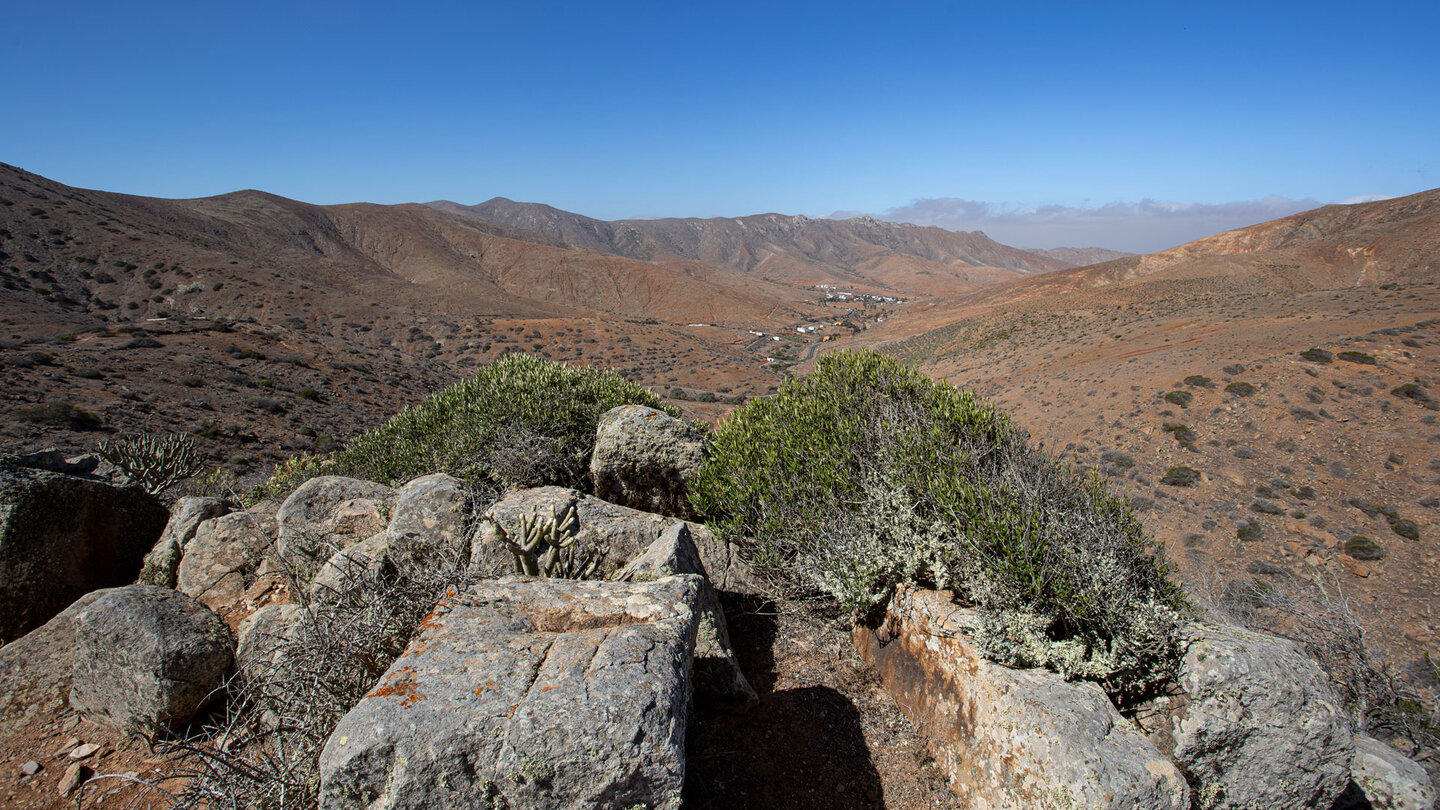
x=1364 y=198
x=1139 y=227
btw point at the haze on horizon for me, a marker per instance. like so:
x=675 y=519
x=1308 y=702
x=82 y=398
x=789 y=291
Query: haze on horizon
x=1127 y=126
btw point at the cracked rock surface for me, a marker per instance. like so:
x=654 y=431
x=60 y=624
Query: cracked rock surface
x=528 y=693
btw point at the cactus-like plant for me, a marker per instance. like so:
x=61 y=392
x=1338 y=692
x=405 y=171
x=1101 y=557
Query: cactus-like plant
x=546 y=546
x=154 y=462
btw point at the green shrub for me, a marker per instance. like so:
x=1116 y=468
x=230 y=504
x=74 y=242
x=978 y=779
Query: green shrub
x=1181 y=476
x=866 y=474
x=1199 y=381
x=1240 y=389
x=1406 y=528
x=522 y=421
x=1182 y=433
x=1317 y=355
x=1363 y=548
x=60 y=414
x=1357 y=357
x=1181 y=398
x=154 y=462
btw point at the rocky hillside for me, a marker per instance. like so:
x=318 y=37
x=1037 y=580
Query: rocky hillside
x=866 y=253
x=1265 y=396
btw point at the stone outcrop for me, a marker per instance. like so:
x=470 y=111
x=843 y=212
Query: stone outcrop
x=145 y=656
x=163 y=561
x=261 y=634
x=346 y=570
x=36 y=670
x=432 y=517
x=222 y=559
x=1388 y=779
x=1011 y=738
x=330 y=513
x=717 y=673
x=62 y=536
x=620 y=532
x=528 y=693
x=1259 y=724
x=643 y=458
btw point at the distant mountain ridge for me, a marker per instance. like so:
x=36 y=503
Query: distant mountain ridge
x=863 y=252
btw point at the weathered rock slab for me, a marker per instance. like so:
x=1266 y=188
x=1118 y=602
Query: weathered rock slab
x=432 y=518
x=163 y=561
x=1260 y=725
x=527 y=693
x=61 y=537
x=1011 y=738
x=222 y=558
x=620 y=532
x=147 y=655
x=1388 y=779
x=717 y=672
x=36 y=670
x=330 y=513
x=261 y=637
x=643 y=458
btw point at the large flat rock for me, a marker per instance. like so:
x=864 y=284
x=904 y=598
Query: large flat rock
x=528 y=693
x=1011 y=738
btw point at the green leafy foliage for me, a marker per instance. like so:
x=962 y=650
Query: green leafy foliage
x=522 y=421
x=1240 y=389
x=866 y=474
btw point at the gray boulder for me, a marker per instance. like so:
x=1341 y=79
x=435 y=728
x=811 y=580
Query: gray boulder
x=347 y=569
x=1259 y=725
x=1011 y=738
x=146 y=656
x=61 y=537
x=330 y=513
x=1388 y=779
x=36 y=670
x=259 y=640
x=527 y=693
x=717 y=673
x=161 y=564
x=432 y=518
x=618 y=533
x=643 y=458
x=223 y=557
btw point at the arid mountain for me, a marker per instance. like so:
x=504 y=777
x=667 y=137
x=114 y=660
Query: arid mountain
x=1079 y=257
x=864 y=253
x=268 y=325
x=1293 y=366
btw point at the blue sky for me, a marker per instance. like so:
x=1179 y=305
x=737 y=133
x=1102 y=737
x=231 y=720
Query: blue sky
x=1044 y=123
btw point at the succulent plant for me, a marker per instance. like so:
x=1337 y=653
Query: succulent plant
x=546 y=547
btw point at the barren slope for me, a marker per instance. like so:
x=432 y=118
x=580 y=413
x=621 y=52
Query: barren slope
x=1113 y=365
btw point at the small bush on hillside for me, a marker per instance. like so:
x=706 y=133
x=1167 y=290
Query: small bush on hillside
x=1240 y=389
x=1317 y=355
x=1181 y=476
x=1181 y=398
x=60 y=414
x=1199 y=381
x=522 y=421
x=1357 y=357
x=866 y=474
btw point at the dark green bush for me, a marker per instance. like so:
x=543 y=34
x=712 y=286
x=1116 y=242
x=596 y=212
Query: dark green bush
x=1181 y=476
x=1356 y=357
x=866 y=474
x=59 y=414
x=522 y=421
x=1181 y=398
x=1406 y=528
x=1184 y=436
x=1199 y=381
x=1363 y=548
x=1240 y=389
x=1317 y=355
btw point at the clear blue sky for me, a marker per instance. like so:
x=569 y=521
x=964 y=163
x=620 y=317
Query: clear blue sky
x=676 y=109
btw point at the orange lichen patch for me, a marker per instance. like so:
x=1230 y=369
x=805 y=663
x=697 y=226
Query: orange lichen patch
x=400 y=686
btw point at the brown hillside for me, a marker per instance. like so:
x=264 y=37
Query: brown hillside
x=1112 y=365
x=863 y=253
